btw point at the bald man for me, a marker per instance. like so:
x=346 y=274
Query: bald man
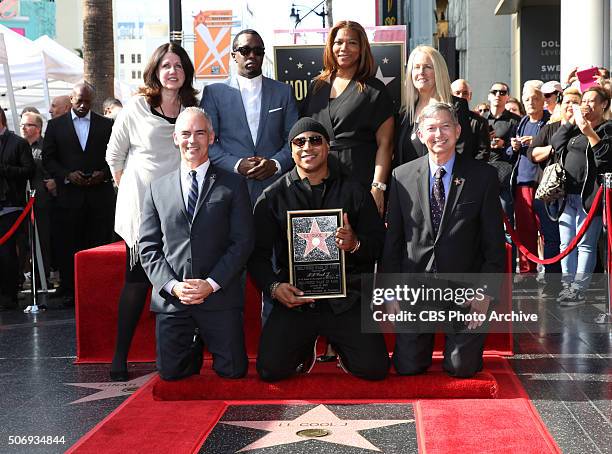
x=479 y=126
x=74 y=152
x=60 y=105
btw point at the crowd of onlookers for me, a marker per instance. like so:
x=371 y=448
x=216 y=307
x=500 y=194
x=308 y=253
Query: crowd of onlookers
x=77 y=166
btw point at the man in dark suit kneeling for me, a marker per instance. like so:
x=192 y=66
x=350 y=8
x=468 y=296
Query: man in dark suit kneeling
x=444 y=216
x=288 y=339
x=195 y=238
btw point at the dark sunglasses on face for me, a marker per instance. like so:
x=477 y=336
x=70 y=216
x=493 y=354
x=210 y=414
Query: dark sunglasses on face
x=313 y=140
x=548 y=95
x=499 y=92
x=483 y=110
x=246 y=50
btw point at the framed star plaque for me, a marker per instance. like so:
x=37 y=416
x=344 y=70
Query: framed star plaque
x=316 y=264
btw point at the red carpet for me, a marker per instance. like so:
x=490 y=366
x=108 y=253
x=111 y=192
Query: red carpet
x=99 y=279
x=508 y=424
x=326 y=381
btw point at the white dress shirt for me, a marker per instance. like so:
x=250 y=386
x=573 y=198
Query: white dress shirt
x=250 y=92
x=185 y=188
x=81 y=126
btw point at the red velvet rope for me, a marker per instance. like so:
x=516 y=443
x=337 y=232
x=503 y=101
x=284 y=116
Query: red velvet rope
x=574 y=242
x=18 y=222
x=609 y=227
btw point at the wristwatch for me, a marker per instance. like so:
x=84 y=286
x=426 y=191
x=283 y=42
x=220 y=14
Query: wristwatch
x=379 y=185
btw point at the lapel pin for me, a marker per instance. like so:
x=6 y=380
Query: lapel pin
x=458 y=181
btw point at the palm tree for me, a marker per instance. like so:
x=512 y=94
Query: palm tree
x=98 y=48
x=330 y=13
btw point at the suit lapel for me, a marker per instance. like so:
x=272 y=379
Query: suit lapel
x=70 y=126
x=177 y=192
x=264 y=108
x=209 y=181
x=456 y=186
x=237 y=101
x=422 y=183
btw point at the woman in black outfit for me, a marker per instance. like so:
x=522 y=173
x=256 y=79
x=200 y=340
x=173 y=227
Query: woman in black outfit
x=427 y=82
x=355 y=108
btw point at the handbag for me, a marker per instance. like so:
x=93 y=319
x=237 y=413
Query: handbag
x=552 y=184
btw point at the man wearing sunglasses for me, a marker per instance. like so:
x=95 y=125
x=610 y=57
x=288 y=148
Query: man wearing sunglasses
x=288 y=340
x=502 y=122
x=251 y=116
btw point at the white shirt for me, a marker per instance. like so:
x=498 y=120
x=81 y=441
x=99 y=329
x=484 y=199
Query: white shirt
x=81 y=126
x=185 y=187
x=250 y=91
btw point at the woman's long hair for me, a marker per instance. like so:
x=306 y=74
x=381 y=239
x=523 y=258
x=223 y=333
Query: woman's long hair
x=152 y=86
x=366 y=66
x=443 y=84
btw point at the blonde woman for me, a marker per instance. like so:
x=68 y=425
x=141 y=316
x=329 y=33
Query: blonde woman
x=427 y=82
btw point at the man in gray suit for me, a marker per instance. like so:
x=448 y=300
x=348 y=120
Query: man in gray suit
x=444 y=216
x=251 y=116
x=195 y=238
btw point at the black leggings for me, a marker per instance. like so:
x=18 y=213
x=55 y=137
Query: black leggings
x=131 y=303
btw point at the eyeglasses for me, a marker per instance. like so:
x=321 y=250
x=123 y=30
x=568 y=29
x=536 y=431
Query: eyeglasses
x=246 y=50
x=483 y=110
x=312 y=140
x=548 y=95
x=499 y=92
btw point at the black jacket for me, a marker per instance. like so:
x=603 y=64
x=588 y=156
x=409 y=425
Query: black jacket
x=582 y=174
x=16 y=167
x=292 y=193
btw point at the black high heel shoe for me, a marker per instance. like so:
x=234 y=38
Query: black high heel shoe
x=119 y=375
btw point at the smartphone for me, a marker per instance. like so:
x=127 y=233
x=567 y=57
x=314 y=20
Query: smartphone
x=87 y=174
x=577 y=112
x=585 y=77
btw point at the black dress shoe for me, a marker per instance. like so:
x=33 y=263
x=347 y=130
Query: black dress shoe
x=119 y=375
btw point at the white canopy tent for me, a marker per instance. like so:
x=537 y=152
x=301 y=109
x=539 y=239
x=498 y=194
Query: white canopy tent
x=41 y=70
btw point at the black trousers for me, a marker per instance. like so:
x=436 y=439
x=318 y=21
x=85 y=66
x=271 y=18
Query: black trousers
x=82 y=228
x=222 y=333
x=288 y=338
x=462 y=353
x=9 y=265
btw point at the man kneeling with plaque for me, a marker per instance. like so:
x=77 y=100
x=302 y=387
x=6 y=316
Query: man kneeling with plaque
x=324 y=232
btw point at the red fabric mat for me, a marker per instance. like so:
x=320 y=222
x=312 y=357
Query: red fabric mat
x=508 y=424
x=99 y=279
x=326 y=381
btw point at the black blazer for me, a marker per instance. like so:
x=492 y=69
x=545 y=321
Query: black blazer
x=471 y=235
x=216 y=245
x=16 y=166
x=62 y=154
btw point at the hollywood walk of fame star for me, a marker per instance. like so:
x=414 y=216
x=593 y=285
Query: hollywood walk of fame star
x=111 y=389
x=299 y=65
x=385 y=60
x=290 y=58
x=341 y=431
x=315 y=239
x=312 y=62
x=383 y=79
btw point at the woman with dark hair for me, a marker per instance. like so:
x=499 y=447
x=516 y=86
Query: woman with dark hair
x=427 y=82
x=140 y=150
x=584 y=144
x=355 y=108
x=516 y=107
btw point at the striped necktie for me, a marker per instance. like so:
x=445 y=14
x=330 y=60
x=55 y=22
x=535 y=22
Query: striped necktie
x=192 y=200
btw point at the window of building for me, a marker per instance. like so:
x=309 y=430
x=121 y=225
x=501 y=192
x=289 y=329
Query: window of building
x=140 y=74
x=138 y=57
x=133 y=74
x=133 y=58
x=121 y=58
